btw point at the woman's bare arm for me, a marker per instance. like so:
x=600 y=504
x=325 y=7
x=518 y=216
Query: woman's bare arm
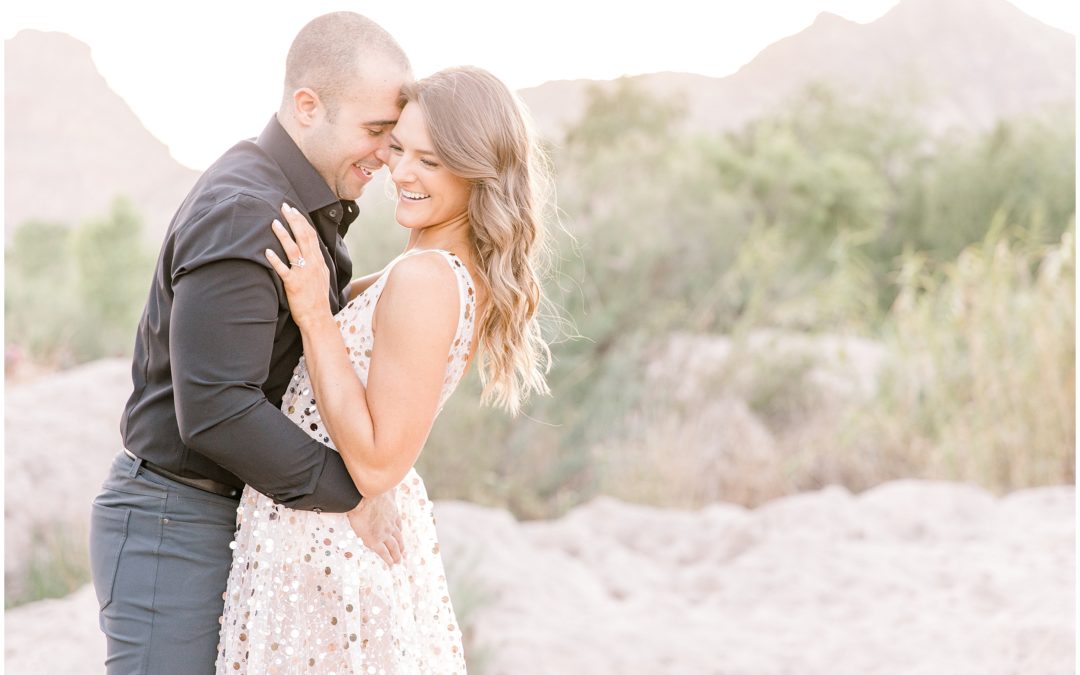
x=379 y=431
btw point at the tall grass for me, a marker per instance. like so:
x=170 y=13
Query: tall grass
x=983 y=388
x=975 y=383
x=56 y=563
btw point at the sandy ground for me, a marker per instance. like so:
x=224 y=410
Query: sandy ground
x=909 y=577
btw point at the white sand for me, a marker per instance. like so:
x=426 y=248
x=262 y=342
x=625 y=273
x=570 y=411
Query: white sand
x=910 y=577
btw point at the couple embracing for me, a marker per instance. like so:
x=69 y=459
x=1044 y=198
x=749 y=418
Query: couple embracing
x=264 y=515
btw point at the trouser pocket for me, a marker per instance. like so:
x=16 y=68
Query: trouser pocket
x=108 y=534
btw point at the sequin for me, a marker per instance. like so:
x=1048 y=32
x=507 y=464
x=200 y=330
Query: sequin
x=396 y=619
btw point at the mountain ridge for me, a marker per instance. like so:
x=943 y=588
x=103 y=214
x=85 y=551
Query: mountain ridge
x=979 y=60
x=72 y=144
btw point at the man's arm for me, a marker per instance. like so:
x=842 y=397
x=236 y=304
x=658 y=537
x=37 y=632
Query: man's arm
x=221 y=337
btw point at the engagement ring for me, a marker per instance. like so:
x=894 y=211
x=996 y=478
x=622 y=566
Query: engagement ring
x=300 y=262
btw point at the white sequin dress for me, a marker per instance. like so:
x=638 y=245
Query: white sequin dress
x=304 y=594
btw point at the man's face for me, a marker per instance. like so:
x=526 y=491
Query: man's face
x=348 y=141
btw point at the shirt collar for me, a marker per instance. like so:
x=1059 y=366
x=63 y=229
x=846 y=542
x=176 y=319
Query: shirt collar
x=315 y=195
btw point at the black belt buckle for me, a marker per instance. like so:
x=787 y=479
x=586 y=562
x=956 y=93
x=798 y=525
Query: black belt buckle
x=204 y=484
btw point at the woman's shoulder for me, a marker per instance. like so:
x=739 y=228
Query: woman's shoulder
x=425 y=279
x=419 y=296
x=424 y=267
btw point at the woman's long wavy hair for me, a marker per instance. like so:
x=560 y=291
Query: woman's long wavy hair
x=482 y=133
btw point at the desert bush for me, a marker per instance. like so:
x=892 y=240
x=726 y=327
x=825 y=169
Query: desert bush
x=75 y=295
x=983 y=383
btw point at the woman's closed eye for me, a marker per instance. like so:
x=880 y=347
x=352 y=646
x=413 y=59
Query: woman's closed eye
x=398 y=150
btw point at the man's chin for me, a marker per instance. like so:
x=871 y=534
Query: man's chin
x=351 y=194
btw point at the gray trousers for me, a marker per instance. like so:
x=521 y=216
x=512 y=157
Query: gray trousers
x=159 y=557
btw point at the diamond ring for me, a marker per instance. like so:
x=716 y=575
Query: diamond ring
x=300 y=262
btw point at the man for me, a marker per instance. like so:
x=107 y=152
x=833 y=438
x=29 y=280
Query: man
x=215 y=352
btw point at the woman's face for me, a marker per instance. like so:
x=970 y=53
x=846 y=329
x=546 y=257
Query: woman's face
x=428 y=194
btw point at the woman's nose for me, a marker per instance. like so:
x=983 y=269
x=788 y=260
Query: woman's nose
x=401 y=173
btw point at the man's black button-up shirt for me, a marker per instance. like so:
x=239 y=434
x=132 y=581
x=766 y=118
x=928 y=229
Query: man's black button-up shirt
x=217 y=346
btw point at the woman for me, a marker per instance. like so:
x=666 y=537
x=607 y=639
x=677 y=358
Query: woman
x=304 y=593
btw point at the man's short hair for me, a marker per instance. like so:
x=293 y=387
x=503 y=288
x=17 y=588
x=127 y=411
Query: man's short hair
x=327 y=53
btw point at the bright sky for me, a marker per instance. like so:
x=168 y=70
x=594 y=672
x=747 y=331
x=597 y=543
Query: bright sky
x=202 y=74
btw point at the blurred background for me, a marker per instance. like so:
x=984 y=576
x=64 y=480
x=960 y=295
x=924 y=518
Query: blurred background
x=798 y=247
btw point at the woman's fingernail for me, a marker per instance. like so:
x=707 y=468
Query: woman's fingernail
x=275 y=223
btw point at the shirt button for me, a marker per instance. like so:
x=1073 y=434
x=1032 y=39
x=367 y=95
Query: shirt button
x=333 y=213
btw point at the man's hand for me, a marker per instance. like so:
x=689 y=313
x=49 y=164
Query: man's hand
x=377 y=523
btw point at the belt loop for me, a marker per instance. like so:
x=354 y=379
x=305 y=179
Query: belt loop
x=135 y=465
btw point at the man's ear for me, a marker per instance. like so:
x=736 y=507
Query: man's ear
x=306 y=106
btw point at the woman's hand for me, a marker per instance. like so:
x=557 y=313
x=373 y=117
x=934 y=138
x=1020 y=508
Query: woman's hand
x=306 y=277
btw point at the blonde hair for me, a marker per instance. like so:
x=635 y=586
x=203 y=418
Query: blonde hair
x=481 y=133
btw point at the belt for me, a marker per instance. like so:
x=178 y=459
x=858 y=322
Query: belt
x=204 y=484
